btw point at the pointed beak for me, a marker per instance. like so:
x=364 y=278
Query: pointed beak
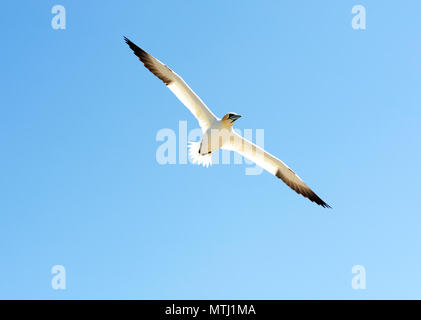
x=235 y=117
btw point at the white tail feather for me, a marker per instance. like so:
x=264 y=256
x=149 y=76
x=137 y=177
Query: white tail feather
x=196 y=157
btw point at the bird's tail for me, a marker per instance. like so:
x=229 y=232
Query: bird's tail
x=196 y=157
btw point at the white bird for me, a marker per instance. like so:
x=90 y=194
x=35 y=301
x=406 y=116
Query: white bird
x=218 y=133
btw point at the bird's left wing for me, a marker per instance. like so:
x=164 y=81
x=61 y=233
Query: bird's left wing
x=273 y=165
x=177 y=85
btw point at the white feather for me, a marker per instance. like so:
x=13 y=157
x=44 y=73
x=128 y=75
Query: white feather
x=196 y=157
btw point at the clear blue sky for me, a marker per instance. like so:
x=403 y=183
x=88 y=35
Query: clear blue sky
x=80 y=185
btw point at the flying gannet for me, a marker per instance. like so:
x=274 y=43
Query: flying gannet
x=218 y=133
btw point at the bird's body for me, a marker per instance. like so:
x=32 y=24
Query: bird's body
x=218 y=133
x=217 y=136
x=216 y=130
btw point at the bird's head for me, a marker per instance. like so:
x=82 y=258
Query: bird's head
x=230 y=118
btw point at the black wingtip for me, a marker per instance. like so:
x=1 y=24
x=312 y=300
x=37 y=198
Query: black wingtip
x=305 y=192
x=127 y=40
x=315 y=198
x=136 y=50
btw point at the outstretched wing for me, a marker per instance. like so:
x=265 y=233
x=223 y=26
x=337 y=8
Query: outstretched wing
x=177 y=85
x=273 y=165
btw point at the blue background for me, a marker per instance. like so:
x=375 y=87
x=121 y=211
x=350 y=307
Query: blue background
x=80 y=185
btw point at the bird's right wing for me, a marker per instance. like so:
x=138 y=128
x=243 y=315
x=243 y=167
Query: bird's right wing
x=177 y=85
x=273 y=165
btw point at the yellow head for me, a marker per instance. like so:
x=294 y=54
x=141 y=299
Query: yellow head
x=230 y=118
